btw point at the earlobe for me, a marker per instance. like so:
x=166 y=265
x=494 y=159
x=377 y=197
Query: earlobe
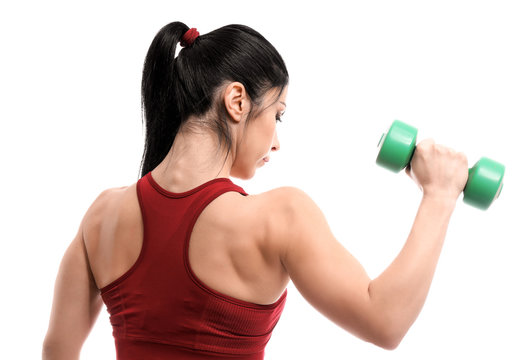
x=235 y=97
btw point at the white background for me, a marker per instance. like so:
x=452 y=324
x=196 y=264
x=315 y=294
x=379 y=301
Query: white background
x=71 y=127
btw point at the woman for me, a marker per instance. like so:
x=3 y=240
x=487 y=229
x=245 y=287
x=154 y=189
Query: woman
x=192 y=267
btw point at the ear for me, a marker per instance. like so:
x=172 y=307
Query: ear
x=236 y=100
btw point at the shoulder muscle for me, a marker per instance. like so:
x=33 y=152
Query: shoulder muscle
x=323 y=271
x=294 y=216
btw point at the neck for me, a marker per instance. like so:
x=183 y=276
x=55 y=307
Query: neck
x=193 y=159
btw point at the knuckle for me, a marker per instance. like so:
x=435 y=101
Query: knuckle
x=426 y=145
x=445 y=150
x=441 y=149
x=462 y=158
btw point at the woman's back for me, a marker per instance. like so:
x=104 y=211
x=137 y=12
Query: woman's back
x=159 y=306
x=228 y=248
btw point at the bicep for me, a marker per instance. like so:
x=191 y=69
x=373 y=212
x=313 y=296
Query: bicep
x=323 y=271
x=76 y=303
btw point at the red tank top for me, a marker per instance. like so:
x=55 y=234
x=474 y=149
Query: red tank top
x=160 y=310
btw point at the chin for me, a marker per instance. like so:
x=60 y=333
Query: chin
x=244 y=174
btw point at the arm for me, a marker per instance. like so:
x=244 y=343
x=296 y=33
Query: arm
x=399 y=293
x=382 y=310
x=76 y=304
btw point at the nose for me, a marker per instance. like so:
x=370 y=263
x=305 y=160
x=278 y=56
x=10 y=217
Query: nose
x=275 y=142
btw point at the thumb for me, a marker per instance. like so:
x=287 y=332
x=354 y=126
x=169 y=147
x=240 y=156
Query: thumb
x=407 y=170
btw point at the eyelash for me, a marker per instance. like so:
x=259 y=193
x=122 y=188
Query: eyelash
x=278 y=118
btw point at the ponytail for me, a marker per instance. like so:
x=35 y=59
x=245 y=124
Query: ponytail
x=159 y=106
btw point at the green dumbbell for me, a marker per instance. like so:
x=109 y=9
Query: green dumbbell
x=485 y=180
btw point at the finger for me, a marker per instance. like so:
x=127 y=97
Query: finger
x=462 y=156
x=407 y=170
x=426 y=142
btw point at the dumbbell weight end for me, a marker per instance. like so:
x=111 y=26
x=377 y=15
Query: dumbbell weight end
x=485 y=183
x=397 y=146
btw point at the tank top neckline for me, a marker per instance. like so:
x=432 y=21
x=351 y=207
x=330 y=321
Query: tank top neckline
x=176 y=195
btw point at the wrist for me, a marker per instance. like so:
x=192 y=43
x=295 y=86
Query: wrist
x=440 y=200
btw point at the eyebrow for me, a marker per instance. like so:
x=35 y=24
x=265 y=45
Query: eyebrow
x=283 y=103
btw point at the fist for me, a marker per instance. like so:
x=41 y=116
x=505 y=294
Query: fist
x=438 y=170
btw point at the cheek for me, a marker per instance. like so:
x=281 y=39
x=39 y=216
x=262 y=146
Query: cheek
x=256 y=143
x=259 y=144
x=267 y=131
x=263 y=147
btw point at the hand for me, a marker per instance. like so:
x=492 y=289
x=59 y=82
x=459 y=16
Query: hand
x=438 y=170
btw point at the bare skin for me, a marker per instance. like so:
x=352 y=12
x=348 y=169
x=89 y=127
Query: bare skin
x=252 y=254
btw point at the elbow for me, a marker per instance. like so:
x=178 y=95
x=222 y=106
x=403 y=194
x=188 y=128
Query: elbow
x=386 y=342
x=386 y=330
x=388 y=338
x=389 y=343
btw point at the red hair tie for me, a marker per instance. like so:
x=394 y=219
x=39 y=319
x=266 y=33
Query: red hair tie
x=189 y=37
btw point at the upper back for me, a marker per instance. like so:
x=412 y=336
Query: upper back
x=228 y=244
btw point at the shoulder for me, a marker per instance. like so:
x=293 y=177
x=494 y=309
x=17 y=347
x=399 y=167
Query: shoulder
x=104 y=199
x=108 y=202
x=289 y=204
x=285 y=198
x=287 y=213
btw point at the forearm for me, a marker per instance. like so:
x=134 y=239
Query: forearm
x=398 y=294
